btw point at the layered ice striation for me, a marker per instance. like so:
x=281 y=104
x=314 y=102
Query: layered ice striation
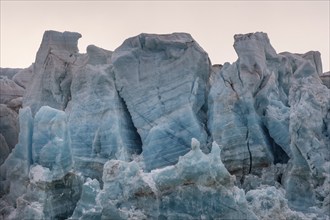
x=261 y=105
x=252 y=103
x=111 y=135
x=83 y=86
x=99 y=123
x=163 y=81
x=232 y=118
x=51 y=80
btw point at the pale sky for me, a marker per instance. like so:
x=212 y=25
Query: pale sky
x=294 y=26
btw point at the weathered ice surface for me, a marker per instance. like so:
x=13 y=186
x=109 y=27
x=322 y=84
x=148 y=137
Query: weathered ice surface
x=313 y=58
x=325 y=77
x=111 y=135
x=99 y=123
x=233 y=120
x=51 y=147
x=270 y=203
x=4 y=149
x=24 y=76
x=48 y=199
x=9 y=72
x=197 y=187
x=11 y=95
x=52 y=79
x=9 y=90
x=88 y=207
x=163 y=81
x=309 y=122
x=9 y=126
x=15 y=104
x=268 y=107
x=14 y=172
x=36 y=177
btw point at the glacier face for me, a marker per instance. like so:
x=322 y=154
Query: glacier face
x=154 y=131
x=51 y=76
x=163 y=81
x=99 y=124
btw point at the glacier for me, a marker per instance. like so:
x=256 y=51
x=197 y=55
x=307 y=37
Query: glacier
x=176 y=191
x=153 y=130
x=166 y=108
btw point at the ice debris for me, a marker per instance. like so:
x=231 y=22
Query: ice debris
x=198 y=185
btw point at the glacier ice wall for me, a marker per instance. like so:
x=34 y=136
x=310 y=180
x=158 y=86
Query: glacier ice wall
x=111 y=135
x=233 y=119
x=261 y=105
x=15 y=170
x=36 y=178
x=51 y=76
x=163 y=81
x=51 y=142
x=99 y=123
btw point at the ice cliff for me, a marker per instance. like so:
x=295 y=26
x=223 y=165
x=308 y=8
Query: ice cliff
x=163 y=81
x=153 y=130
